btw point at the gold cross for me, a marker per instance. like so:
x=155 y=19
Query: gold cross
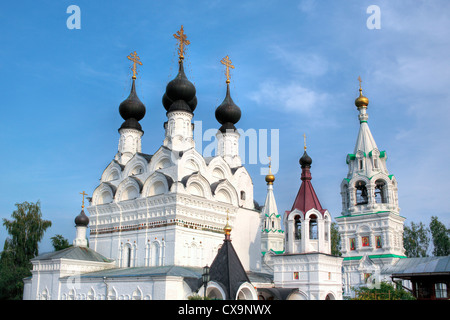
x=227 y=63
x=84 y=194
x=304 y=141
x=135 y=58
x=359 y=79
x=181 y=37
x=270 y=165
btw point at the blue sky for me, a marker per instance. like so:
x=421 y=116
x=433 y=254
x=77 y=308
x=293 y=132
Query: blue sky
x=297 y=64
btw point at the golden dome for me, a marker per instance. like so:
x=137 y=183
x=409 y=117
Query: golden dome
x=270 y=178
x=227 y=229
x=361 y=101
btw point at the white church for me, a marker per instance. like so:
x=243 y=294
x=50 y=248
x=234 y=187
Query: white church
x=157 y=220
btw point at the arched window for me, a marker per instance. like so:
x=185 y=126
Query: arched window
x=327 y=228
x=347 y=197
x=155 y=253
x=313 y=232
x=361 y=193
x=380 y=196
x=128 y=257
x=298 y=228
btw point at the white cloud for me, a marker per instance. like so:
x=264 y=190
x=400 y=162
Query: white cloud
x=307 y=6
x=291 y=97
x=299 y=61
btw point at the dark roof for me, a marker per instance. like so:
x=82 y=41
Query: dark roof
x=132 y=110
x=73 y=253
x=279 y=293
x=82 y=219
x=180 y=93
x=191 y=275
x=420 y=267
x=147 y=157
x=228 y=113
x=227 y=270
x=189 y=272
x=306 y=198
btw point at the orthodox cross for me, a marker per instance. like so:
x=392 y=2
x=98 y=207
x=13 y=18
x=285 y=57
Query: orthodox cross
x=227 y=63
x=181 y=37
x=359 y=79
x=84 y=194
x=304 y=141
x=270 y=164
x=135 y=58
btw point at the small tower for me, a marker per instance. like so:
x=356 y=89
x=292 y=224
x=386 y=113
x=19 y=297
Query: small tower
x=272 y=236
x=370 y=227
x=180 y=101
x=132 y=111
x=228 y=278
x=81 y=224
x=307 y=224
x=228 y=114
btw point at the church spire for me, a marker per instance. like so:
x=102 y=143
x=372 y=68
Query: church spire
x=306 y=197
x=228 y=114
x=272 y=236
x=132 y=111
x=81 y=223
x=180 y=101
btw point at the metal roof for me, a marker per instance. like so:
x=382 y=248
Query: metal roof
x=420 y=266
x=177 y=271
x=73 y=253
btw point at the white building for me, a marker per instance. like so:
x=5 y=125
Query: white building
x=157 y=219
x=370 y=226
x=306 y=263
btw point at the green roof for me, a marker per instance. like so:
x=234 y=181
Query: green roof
x=73 y=253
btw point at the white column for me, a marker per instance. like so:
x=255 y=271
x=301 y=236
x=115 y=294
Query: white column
x=228 y=147
x=179 y=133
x=129 y=144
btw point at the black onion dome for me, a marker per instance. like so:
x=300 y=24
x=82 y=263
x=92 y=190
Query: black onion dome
x=82 y=219
x=305 y=160
x=180 y=93
x=132 y=107
x=228 y=113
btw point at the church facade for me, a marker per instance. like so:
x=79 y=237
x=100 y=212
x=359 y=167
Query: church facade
x=156 y=220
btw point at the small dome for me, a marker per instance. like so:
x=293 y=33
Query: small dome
x=180 y=93
x=132 y=107
x=228 y=113
x=82 y=219
x=227 y=229
x=270 y=178
x=305 y=160
x=361 y=101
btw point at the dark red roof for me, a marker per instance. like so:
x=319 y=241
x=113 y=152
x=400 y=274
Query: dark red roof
x=306 y=197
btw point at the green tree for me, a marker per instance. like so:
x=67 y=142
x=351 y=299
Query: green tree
x=416 y=240
x=440 y=236
x=335 y=240
x=59 y=242
x=385 y=291
x=26 y=230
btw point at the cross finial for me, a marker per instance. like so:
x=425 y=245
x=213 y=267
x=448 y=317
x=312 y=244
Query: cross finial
x=270 y=165
x=182 y=41
x=359 y=79
x=304 y=141
x=227 y=63
x=84 y=194
x=135 y=58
